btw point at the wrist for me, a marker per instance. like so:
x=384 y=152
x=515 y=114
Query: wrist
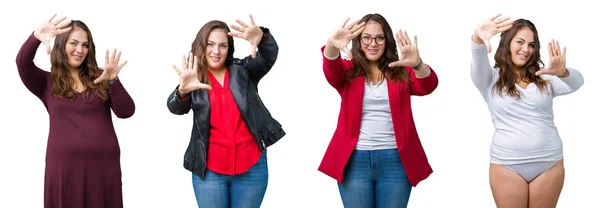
x=112 y=81
x=565 y=74
x=419 y=65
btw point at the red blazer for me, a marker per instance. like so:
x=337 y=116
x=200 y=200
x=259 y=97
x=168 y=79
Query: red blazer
x=346 y=134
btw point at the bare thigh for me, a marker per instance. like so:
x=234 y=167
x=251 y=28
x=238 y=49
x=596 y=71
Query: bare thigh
x=509 y=189
x=545 y=189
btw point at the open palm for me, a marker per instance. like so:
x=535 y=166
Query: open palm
x=188 y=76
x=49 y=29
x=409 y=52
x=492 y=26
x=344 y=34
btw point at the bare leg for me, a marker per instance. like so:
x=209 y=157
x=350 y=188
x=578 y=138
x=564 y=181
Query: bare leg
x=509 y=189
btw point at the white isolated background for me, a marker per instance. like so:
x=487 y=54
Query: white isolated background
x=454 y=124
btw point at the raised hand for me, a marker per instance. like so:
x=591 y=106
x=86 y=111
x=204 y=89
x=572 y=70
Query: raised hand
x=49 y=29
x=409 y=53
x=490 y=27
x=558 y=61
x=344 y=34
x=188 y=77
x=111 y=67
x=251 y=33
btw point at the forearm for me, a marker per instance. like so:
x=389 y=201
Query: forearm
x=120 y=101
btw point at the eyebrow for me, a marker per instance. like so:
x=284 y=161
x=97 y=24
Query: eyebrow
x=526 y=41
x=373 y=35
x=77 y=41
x=210 y=41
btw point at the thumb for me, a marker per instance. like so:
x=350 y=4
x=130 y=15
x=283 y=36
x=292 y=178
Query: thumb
x=543 y=71
x=488 y=45
x=98 y=80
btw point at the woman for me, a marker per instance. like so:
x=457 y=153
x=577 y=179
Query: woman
x=375 y=153
x=232 y=127
x=526 y=167
x=83 y=156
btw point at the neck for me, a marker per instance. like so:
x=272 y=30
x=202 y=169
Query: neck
x=216 y=71
x=74 y=72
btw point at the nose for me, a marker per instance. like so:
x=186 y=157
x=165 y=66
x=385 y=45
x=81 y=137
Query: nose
x=215 y=50
x=373 y=43
x=79 y=48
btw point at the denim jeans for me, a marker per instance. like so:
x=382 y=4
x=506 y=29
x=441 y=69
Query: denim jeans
x=239 y=191
x=375 y=179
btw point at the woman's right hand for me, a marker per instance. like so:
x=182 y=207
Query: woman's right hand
x=49 y=29
x=188 y=77
x=490 y=27
x=344 y=34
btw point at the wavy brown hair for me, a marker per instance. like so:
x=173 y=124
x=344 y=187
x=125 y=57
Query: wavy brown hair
x=390 y=54
x=200 y=43
x=62 y=82
x=508 y=75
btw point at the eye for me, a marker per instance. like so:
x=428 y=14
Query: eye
x=209 y=44
x=380 y=38
x=73 y=43
x=223 y=46
x=86 y=45
x=366 y=38
x=532 y=45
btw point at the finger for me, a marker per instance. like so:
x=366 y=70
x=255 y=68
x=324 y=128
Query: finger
x=190 y=60
x=122 y=65
x=358 y=27
x=118 y=69
x=100 y=79
x=349 y=27
x=118 y=57
x=358 y=32
x=113 y=56
x=203 y=86
x=564 y=54
x=488 y=45
x=500 y=20
x=416 y=45
x=253 y=51
x=345 y=21
x=399 y=40
x=543 y=71
x=64 y=24
x=195 y=63
x=251 y=19
x=505 y=28
x=238 y=28
x=106 y=58
x=557 y=47
x=51 y=18
x=176 y=69
x=63 y=30
x=504 y=25
x=395 y=64
x=183 y=62
x=406 y=38
x=241 y=23
x=495 y=16
x=237 y=35
x=55 y=22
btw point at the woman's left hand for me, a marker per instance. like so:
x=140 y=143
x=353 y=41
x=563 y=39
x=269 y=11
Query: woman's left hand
x=111 y=67
x=251 y=33
x=409 y=53
x=558 y=61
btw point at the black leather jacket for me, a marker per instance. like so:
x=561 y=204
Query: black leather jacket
x=244 y=75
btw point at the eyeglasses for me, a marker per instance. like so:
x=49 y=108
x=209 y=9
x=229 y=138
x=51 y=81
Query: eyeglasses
x=367 y=39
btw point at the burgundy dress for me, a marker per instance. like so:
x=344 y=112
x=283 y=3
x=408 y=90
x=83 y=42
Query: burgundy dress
x=83 y=156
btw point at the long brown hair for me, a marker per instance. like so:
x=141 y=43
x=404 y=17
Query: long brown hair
x=390 y=54
x=62 y=82
x=508 y=76
x=199 y=47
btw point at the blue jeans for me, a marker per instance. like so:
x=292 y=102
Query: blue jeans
x=375 y=179
x=224 y=191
